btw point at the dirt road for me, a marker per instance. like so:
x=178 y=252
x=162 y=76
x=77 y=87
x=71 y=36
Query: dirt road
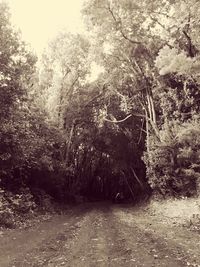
x=100 y=235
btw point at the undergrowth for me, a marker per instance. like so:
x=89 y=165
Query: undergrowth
x=22 y=209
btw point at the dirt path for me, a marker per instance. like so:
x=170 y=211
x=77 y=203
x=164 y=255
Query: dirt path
x=100 y=236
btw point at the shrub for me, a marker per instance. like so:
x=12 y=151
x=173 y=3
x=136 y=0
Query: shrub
x=13 y=206
x=173 y=164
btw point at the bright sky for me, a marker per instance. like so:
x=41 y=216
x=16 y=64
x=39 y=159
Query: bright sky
x=40 y=20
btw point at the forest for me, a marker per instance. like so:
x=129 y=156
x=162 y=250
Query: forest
x=69 y=136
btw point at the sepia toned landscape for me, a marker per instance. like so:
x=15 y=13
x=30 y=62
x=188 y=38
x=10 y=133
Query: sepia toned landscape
x=100 y=133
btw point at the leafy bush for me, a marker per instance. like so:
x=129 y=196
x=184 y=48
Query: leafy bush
x=173 y=164
x=13 y=206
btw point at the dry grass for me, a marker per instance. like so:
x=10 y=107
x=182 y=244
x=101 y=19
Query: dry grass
x=183 y=211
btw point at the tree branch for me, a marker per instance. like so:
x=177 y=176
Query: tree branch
x=119 y=27
x=118 y=121
x=141 y=130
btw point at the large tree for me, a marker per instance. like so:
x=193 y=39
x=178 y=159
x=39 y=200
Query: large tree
x=150 y=53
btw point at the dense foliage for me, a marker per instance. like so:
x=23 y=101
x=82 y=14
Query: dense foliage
x=26 y=138
x=133 y=128
x=151 y=55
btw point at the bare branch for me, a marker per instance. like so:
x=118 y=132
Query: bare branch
x=127 y=117
x=136 y=177
x=141 y=130
x=118 y=121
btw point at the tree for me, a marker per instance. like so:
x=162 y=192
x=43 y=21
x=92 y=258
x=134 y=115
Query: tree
x=16 y=67
x=26 y=138
x=154 y=87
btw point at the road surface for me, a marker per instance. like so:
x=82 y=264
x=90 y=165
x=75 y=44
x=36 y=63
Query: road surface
x=100 y=235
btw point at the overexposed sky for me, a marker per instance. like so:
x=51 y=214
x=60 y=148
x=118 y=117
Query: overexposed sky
x=40 y=20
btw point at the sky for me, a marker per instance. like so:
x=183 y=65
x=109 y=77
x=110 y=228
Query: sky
x=40 y=20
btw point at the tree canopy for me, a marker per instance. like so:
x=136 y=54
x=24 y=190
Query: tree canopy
x=134 y=129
